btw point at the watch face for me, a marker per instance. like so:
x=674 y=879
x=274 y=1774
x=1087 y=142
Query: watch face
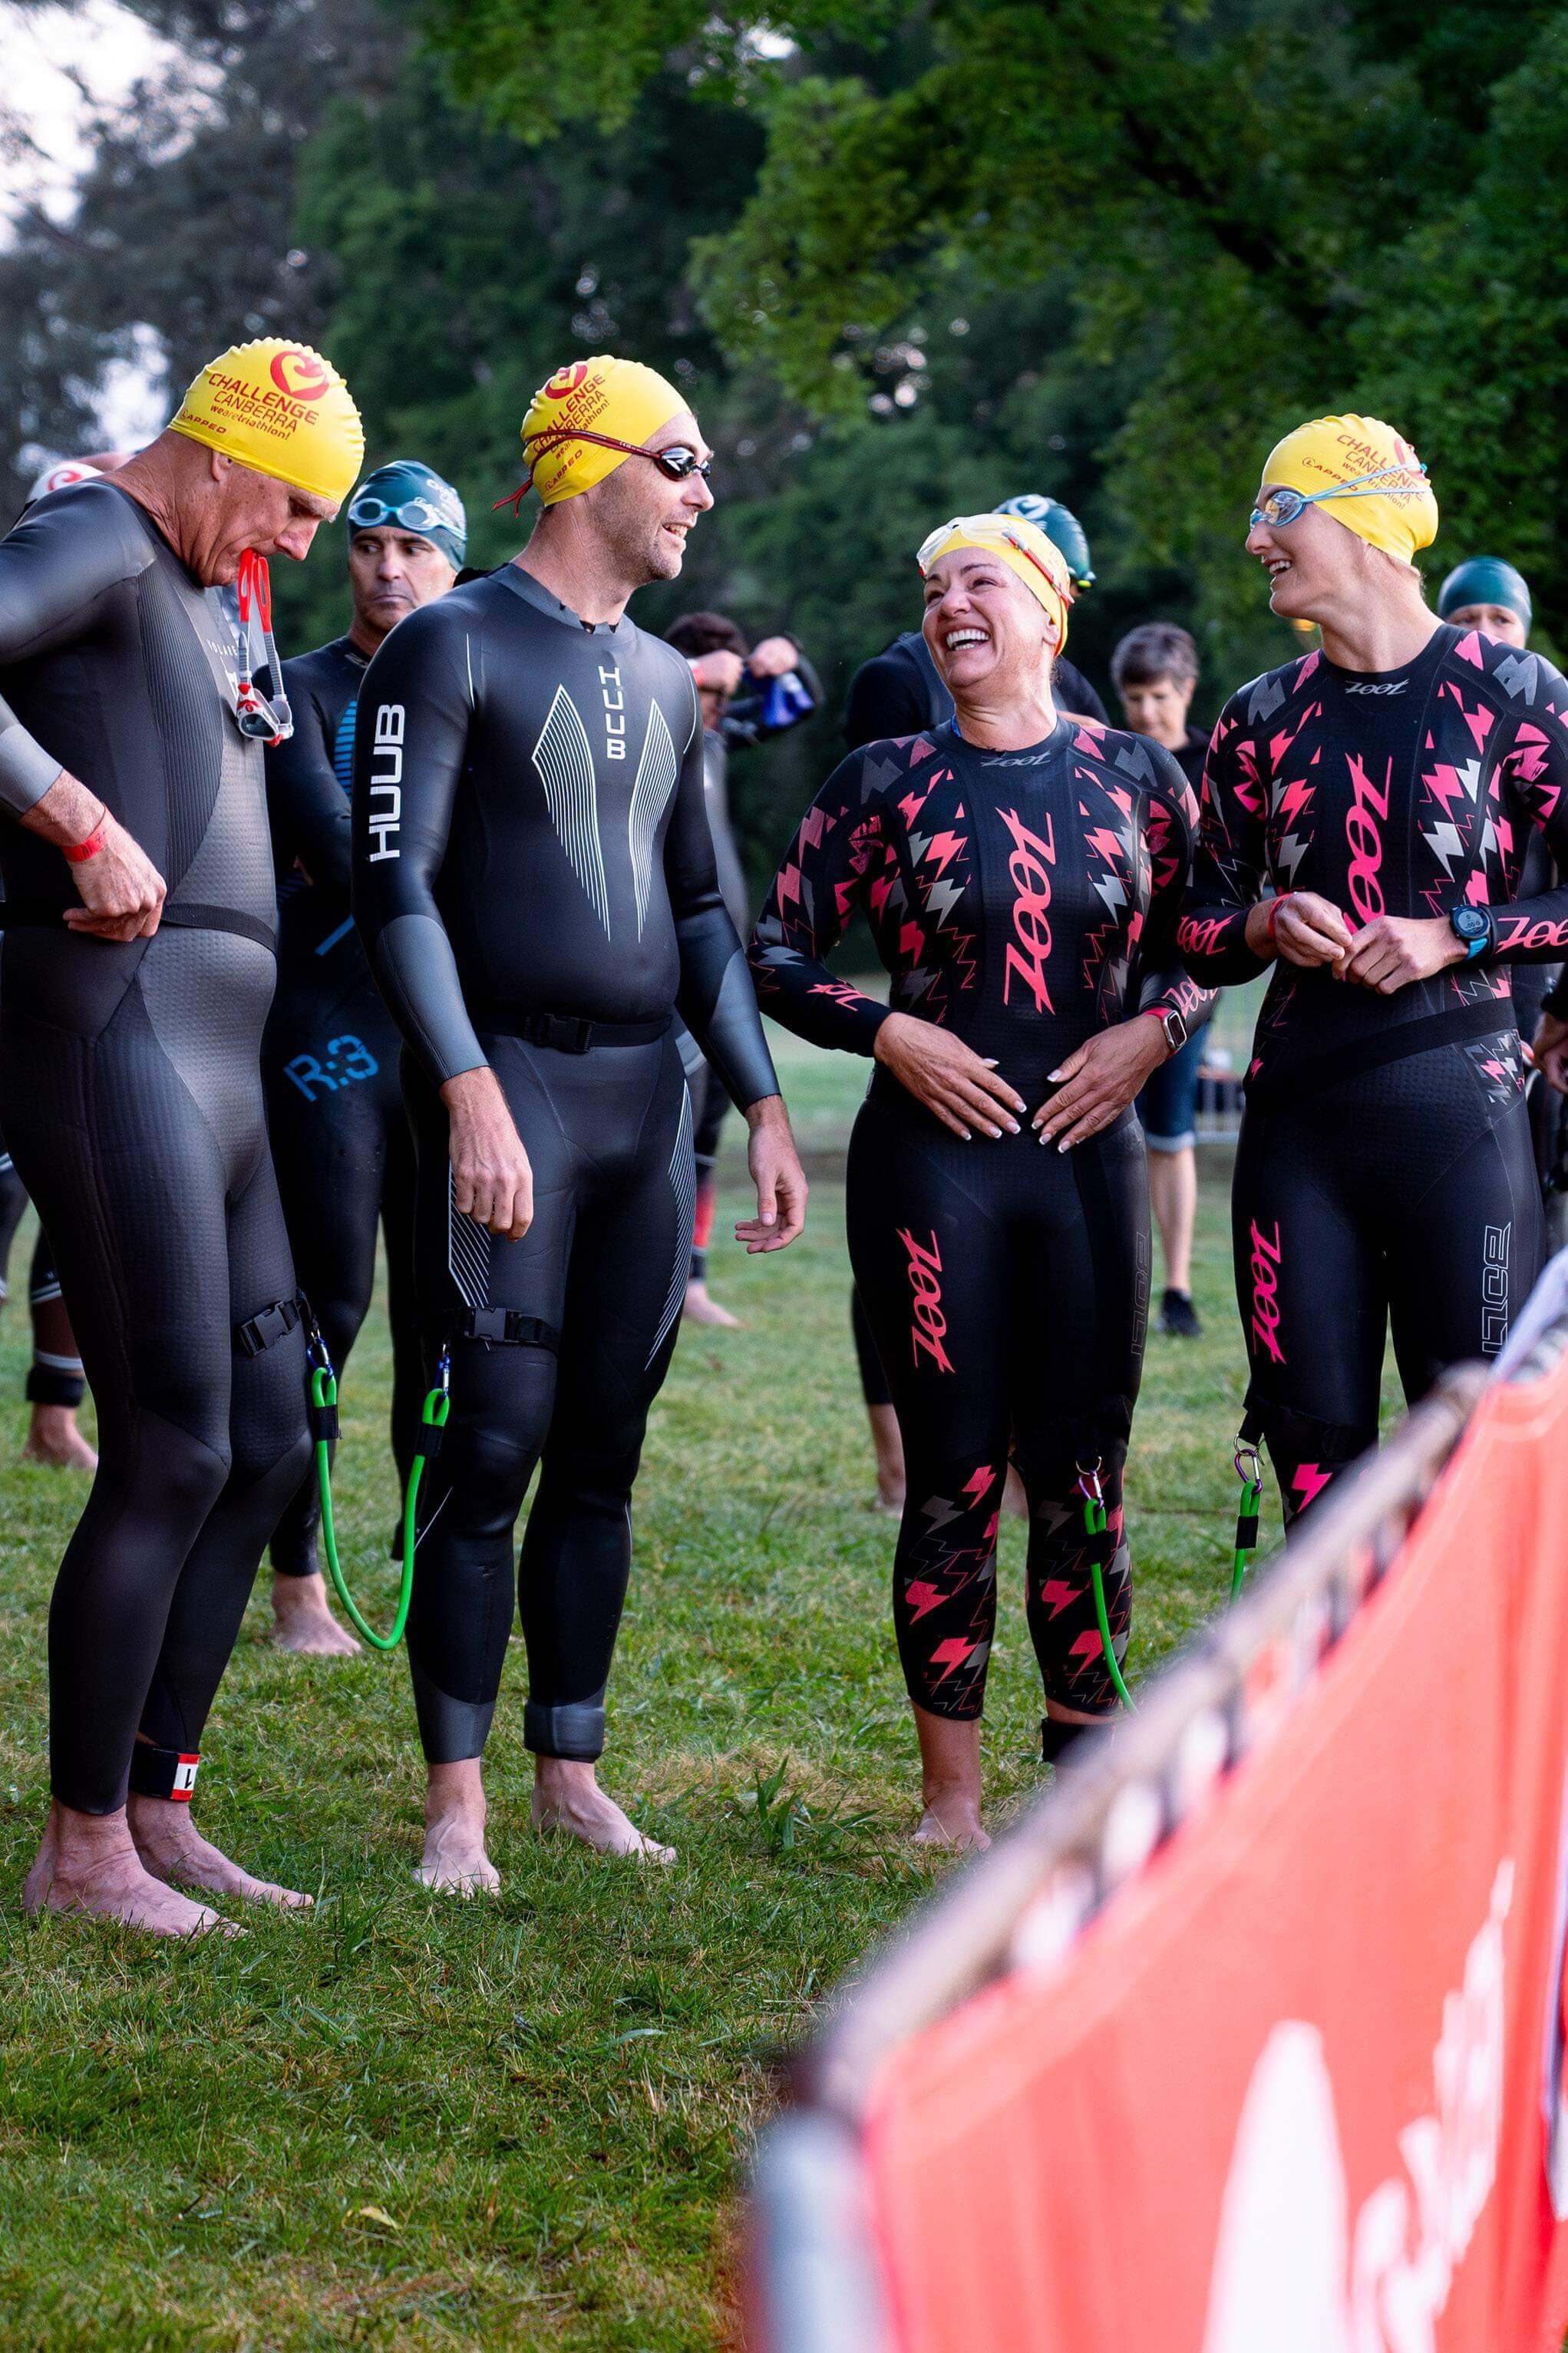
x=1469 y=922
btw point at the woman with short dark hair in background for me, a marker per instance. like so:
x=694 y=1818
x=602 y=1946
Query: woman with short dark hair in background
x=1154 y=670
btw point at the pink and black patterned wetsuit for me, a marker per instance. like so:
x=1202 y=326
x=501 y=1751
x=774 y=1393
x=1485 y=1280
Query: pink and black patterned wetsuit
x=1385 y=1170
x=1024 y=900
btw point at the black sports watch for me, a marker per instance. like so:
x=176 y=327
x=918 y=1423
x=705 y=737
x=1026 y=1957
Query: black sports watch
x=1474 y=926
x=1172 y=1024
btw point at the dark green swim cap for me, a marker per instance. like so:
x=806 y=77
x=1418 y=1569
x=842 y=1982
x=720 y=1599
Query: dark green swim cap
x=1058 y=524
x=1484 y=580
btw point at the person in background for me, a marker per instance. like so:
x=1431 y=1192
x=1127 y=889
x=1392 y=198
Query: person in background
x=746 y=694
x=340 y=1139
x=900 y=692
x=1154 y=670
x=1486 y=594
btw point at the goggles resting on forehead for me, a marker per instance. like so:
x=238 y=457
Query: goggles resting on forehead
x=1278 y=508
x=986 y=530
x=367 y=513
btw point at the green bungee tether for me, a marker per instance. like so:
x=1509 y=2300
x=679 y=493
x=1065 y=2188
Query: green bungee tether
x=323 y=1418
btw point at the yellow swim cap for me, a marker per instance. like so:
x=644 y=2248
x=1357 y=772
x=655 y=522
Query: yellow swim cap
x=619 y=400
x=1022 y=546
x=281 y=409
x=1391 y=505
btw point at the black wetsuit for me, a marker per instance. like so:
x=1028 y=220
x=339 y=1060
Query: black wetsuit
x=1384 y=1171
x=339 y=1133
x=1024 y=900
x=130 y=1080
x=534 y=879
x=899 y=692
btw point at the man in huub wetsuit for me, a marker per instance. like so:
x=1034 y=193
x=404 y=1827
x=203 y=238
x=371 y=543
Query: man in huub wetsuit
x=137 y=971
x=534 y=878
x=334 y=1106
x=1387 y=787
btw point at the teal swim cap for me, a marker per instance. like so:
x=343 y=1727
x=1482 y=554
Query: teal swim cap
x=1484 y=580
x=1058 y=524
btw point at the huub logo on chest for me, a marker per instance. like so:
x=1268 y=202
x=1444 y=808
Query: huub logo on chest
x=615 y=712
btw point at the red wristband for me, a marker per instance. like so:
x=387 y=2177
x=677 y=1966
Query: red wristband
x=78 y=851
x=1274 y=906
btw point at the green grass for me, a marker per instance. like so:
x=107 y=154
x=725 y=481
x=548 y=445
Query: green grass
x=406 y=2121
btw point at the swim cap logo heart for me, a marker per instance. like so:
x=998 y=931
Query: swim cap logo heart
x=565 y=381
x=300 y=374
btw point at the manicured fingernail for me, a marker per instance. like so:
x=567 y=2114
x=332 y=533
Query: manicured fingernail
x=1053 y=1078
x=1063 y=1145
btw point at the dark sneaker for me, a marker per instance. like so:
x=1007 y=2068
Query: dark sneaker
x=1178 y=1317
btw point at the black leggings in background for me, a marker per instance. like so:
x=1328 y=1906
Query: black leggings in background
x=561 y=1344
x=345 y=1157
x=55 y=1375
x=1405 y=1196
x=1006 y=1287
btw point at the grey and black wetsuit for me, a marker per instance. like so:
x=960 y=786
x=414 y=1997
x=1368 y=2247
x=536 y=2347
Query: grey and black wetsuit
x=132 y=1086
x=340 y=1138
x=534 y=879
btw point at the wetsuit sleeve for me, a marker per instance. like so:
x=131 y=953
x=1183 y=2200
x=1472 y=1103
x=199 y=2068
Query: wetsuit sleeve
x=1535 y=929
x=1073 y=693
x=1228 y=861
x=307 y=808
x=410 y=740
x=885 y=701
x=824 y=874
x=1165 y=983
x=54 y=567
x=745 y=723
x=715 y=999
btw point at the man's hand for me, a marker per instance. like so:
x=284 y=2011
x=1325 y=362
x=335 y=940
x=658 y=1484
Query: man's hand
x=1299 y=928
x=491 y=1180
x=774 y=657
x=949 y=1077
x=1099 y=1079
x=1549 y=1051
x=1394 y=950
x=778 y=1176
x=121 y=891
x=718 y=672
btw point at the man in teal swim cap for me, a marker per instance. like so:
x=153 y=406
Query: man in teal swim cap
x=1485 y=593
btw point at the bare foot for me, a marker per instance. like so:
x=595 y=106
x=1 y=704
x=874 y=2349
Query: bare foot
x=53 y=1438
x=173 y=1849
x=951 y=1819
x=302 y=1621
x=89 y=1863
x=701 y=1307
x=567 y=1797
x=455 y=1860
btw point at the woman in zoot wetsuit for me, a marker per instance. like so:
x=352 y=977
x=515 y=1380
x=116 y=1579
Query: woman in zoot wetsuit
x=1386 y=788
x=1021 y=872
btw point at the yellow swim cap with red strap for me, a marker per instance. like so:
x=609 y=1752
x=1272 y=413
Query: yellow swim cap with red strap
x=281 y=409
x=1022 y=546
x=1391 y=506
x=620 y=399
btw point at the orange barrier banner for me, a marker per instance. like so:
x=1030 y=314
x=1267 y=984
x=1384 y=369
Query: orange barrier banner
x=1301 y=2088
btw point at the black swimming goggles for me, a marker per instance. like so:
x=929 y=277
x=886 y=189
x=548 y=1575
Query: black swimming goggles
x=677 y=462
x=266 y=720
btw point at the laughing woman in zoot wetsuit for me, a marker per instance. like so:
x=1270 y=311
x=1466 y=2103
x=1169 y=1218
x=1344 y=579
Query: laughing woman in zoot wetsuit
x=1021 y=873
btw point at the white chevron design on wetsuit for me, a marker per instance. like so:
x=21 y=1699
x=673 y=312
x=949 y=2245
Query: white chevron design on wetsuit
x=565 y=766
x=656 y=782
x=468 y=1252
x=683 y=1185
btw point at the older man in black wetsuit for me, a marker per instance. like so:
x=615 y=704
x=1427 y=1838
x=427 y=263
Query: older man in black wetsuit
x=138 y=968
x=534 y=878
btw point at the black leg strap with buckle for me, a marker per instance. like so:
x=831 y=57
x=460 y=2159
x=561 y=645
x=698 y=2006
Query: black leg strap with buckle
x=506 y=1327
x=163 y=1772
x=264 y=1330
